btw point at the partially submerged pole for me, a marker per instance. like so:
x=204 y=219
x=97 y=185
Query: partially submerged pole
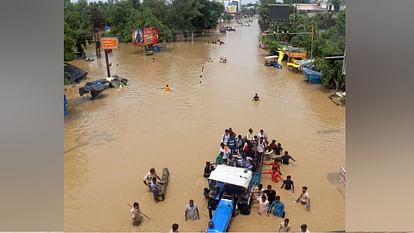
x=107 y=63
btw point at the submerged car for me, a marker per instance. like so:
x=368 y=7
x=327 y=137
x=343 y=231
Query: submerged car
x=99 y=85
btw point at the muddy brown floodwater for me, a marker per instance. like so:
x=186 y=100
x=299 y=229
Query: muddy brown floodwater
x=111 y=142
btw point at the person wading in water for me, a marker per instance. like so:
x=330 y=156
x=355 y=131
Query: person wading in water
x=136 y=214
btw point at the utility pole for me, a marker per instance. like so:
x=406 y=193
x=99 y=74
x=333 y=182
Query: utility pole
x=95 y=34
x=143 y=31
x=312 y=42
x=107 y=63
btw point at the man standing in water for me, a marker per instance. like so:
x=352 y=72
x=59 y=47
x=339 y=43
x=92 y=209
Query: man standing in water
x=256 y=97
x=270 y=193
x=288 y=184
x=191 y=211
x=174 y=227
x=148 y=177
x=304 y=228
x=284 y=226
x=277 y=208
x=136 y=214
x=304 y=198
x=286 y=157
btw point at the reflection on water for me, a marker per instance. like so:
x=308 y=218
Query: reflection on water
x=111 y=142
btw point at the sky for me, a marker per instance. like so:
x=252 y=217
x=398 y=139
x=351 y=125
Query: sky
x=242 y=1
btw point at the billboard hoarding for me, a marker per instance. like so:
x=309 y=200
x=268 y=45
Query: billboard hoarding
x=150 y=36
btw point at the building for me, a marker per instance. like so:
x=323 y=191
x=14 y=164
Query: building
x=232 y=7
x=326 y=4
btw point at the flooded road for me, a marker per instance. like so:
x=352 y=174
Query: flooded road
x=111 y=142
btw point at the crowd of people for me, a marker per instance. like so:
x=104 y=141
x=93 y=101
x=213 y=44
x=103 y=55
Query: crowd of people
x=248 y=152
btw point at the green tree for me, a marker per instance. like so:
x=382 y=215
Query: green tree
x=69 y=44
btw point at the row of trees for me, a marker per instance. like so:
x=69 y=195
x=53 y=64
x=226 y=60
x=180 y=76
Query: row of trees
x=328 y=30
x=171 y=17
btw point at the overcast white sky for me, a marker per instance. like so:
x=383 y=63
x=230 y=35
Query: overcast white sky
x=242 y=1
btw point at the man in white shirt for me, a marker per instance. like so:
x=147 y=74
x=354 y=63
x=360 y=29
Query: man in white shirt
x=136 y=214
x=261 y=134
x=304 y=228
x=250 y=136
x=148 y=177
x=191 y=211
x=225 y=150
x=225 y=136
x=304 y=198
x=284 y=226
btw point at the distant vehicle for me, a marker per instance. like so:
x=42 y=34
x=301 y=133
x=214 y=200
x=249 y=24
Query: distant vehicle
x=222 y=29
x=228 y=28
x=149 y=52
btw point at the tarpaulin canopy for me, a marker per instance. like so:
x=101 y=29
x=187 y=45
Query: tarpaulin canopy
x=232 y=175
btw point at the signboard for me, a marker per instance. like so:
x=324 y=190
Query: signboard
x=109 y=42
x=232 y=8
x=279 y=11
x=150 y=36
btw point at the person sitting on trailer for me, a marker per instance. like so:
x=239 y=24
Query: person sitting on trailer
x=262 y=134
x=250 y=135
x=231 y=143
x=248 y=163
x=239 y=143
x=220 y=158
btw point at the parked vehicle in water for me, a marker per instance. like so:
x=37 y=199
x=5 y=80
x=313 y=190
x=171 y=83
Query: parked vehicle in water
x=95 y=87
x=229 y=28
x=74 y=74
